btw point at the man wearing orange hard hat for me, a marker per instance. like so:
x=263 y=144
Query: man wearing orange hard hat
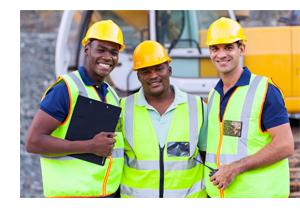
x=65 y=176
x=249 y=136
x=164 y=132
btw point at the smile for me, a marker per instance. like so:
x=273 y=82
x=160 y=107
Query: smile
x=223 y=62
x=154 y=84
x=104 y=65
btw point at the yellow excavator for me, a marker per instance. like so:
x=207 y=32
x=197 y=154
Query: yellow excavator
x=272 y=50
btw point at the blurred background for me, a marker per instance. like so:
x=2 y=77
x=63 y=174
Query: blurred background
x=38 y=38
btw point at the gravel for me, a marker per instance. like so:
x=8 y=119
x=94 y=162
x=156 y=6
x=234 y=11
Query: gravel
x=37 y=72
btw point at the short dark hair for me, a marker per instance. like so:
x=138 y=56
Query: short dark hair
x=92 y=39
x=239 y=43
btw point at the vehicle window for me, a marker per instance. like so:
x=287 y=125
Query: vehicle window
x=206 y=17
x=133 y=23
x=169 y=25
x=262 y=18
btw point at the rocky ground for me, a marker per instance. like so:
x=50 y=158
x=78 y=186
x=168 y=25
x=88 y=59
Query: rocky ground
x=38 y=33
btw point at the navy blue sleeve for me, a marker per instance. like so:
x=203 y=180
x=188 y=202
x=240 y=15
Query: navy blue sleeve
x=57 y=102
x=274 y=112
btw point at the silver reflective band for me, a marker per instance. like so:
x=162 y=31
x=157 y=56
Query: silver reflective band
x=116 y=153
x=245 y=118
x=193 y=123
x=168 y=165
x=128 y=123
x=77 y=81
x=82 y=90
x=59 y=158
x=117 y=101
x=209 y=104
x=154 y=193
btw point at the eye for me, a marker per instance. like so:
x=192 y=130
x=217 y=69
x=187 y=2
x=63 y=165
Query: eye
x=214 y=49
x=114 y=53
x=158 y=69
x=144 y=72
x=229 y=47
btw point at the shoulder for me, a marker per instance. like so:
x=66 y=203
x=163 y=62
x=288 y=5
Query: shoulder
x=274 y=112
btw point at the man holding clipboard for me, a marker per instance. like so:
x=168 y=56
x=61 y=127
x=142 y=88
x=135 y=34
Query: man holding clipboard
x=79 y=158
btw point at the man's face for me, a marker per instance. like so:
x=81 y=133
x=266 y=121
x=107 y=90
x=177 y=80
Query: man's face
x=101 y=58
x=226 y=57
x=155 y=79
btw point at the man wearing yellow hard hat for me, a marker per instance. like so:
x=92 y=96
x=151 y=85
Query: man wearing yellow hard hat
x=164 y=131
x=65 y=176
x=249 y=135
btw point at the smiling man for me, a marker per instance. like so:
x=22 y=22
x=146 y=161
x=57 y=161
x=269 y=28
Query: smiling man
x=164 y=130
x=249 y=136
x=65 y=176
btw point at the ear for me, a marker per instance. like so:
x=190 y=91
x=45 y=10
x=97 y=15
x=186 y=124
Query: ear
x=242 y=49
x=137 y=74
x=170 y=70
x=86 y=49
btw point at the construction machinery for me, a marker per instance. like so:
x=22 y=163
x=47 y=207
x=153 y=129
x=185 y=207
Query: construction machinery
x=272 y=49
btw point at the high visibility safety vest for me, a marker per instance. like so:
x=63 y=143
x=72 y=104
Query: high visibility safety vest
x=169 y=172
x=66 y=176
x=239 y=135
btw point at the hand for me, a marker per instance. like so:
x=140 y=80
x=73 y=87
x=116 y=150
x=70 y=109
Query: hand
x=103 y=143
x=224 y=176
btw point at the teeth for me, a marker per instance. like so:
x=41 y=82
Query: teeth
x=104 y=65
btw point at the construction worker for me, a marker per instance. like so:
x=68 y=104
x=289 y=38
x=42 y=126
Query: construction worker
x=249 y=135
x=164 y=129
x=65 y=176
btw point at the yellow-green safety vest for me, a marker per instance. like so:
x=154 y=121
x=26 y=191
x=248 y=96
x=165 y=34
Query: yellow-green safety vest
x=66 y=176
x=169 y=172
x=239 y=135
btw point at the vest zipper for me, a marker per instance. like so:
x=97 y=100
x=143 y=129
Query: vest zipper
x=161 y=169
x=106 y=176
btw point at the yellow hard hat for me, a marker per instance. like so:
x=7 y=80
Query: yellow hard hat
x=149 y=53
x=105 y=30
x=224 y=30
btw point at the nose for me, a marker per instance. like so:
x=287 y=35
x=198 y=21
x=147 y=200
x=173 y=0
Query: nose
x=221 y=54
x=153 y=74
x=107 y=56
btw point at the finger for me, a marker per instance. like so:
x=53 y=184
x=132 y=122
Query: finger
x=219 y=186
x=113 y=140
x=215 y=183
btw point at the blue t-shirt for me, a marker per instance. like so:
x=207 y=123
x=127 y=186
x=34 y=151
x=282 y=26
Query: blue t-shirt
x=57 y=102
x=274 y=112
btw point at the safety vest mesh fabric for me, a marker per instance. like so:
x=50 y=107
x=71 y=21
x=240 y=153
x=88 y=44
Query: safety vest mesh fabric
x=145 y=168
x=66 y=176
x=245 y=105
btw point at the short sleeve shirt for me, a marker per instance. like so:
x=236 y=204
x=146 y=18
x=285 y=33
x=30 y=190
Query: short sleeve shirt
x=274 y=112
x=56 y=102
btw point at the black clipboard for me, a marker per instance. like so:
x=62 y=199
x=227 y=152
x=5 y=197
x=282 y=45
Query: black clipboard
x=89 y=118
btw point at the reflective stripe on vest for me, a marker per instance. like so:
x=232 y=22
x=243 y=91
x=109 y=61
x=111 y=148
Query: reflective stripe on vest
x=170 y=166
x=65 y=176
x=245 y=119
x=116 y=153
x=238 y=136
x=82 y=90
x=152 y=193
